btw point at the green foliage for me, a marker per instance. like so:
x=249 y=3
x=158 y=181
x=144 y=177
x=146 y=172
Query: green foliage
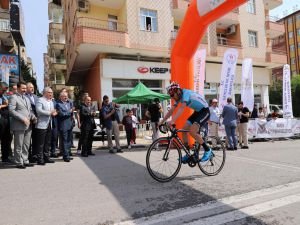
x=26 y=75
x=275 y=94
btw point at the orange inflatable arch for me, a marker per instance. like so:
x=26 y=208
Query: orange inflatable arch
x=197 y=19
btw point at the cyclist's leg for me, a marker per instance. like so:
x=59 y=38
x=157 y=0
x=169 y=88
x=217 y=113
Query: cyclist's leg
x=185 y=139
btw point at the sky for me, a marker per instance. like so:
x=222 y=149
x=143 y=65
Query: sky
x=35 y=14
x=37 y=27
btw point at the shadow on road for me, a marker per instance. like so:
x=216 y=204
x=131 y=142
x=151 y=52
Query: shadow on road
x=127 y=178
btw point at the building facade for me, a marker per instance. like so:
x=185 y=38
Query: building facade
x=112 y=45
x=292 y=40
x=55 y=61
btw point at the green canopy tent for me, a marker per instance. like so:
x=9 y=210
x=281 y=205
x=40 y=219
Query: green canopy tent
x=140 y=94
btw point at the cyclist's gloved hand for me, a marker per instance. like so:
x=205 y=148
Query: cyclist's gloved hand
x=170 y=123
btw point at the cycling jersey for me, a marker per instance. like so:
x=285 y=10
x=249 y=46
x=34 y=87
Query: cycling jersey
x=193 y=100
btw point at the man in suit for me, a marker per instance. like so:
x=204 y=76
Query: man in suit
x=33 y=100
x=87 y=126
x=22 y=118
x=45 y=110
x=64 y=120
x=230 y=117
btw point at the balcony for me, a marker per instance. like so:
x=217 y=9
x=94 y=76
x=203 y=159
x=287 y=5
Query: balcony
x=101 y=32
x=59 y=63
x=271 y=4
x=276 y=56
x=57 y=43
x=179 y=8
x=229 y=19
x=174 y=33
x=274 y=28
x=225 y=43
x=55 y=26
x=4 y=25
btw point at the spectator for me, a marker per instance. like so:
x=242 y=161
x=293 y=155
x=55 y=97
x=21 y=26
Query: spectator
x=261 y=113
x=214 y=120
x=78 y=120
x=254 y=113
x=22 y=116
x=111 y=121
x=87 y=126
x=5 y=134
x=275 y=114
x=127 y=122
x=230 y=117
x=134 y=127
x=33 y=100
x=64 y=119
x=154 y=113
x=54 y=133
x=14 y=89
x=45 y=110
x=244 y=114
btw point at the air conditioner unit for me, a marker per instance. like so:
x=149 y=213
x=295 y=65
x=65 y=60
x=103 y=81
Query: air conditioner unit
x=231 y=29
x=83 y=6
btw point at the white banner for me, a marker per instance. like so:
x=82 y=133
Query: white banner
x=227 y=76
x=286 y=93
x=247 y=91
x=273 y=128
x=199 y=71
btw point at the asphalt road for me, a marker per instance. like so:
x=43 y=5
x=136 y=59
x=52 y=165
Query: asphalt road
x=257 y=186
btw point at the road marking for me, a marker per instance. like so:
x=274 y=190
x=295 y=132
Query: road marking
x=184 y=212
x=247 y=211
x=267 y=163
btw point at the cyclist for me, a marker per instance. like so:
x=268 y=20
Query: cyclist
x=199 y=118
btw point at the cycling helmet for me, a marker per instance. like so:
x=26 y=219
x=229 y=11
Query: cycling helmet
x=173 y=88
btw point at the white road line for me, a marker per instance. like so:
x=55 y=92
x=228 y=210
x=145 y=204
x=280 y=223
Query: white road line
x=179 y=213
x=266 y=163
x=247 y=211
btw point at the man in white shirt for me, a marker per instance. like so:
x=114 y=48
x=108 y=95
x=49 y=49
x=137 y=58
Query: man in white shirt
x=45 y=110
x=214 y=120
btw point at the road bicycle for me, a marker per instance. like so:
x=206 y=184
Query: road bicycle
x=164 y=157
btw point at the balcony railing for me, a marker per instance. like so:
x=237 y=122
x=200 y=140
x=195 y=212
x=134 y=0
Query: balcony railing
x=59 y=60
x=57 y=41
x=101 y=24
x=228 y=42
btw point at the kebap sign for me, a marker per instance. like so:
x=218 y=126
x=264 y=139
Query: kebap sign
x=9 y=69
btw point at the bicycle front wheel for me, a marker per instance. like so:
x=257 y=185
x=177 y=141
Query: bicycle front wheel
x=163 y=159
x=215 y=164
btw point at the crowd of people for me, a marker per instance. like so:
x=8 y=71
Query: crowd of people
x=42 y=127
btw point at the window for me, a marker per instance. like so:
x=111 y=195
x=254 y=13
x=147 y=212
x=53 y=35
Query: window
x=293 y=61
x=4 y=25
x=251 y=6
x=298 y=32
x=292 y=48
x=291 y=33
x=148 y=20
x=112 y=22
x=252 y=35
x=298 y=17
x=290 y=20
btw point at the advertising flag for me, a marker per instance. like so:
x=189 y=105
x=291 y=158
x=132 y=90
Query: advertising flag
x=286 y=93
x=227 y=76
x=247 y=91
x=199 y=71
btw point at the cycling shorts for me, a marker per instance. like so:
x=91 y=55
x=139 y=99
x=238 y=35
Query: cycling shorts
x=200 y=117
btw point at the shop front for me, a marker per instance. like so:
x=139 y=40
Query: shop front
x=121 y=76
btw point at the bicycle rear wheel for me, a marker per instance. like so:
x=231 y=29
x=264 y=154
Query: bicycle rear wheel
x=163 y=159
x=213 y=166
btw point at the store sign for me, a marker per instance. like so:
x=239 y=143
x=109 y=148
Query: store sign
x=143 y=69
x=125 y=69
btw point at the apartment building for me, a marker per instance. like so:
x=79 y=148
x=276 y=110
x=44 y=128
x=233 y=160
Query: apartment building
x=6 y=39
x=292 y=40
x=55 y=62
x=111 y=45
